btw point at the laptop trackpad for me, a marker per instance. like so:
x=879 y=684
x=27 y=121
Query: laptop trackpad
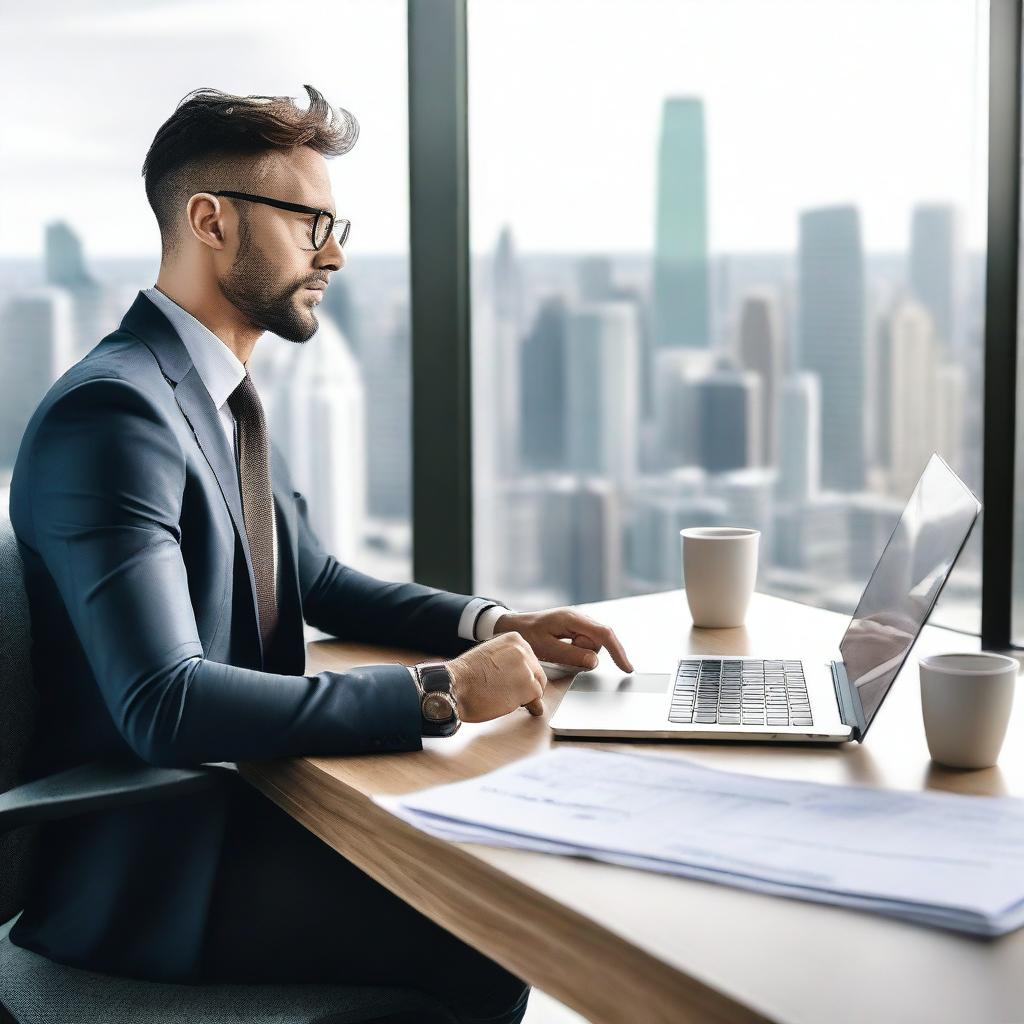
x=621 y=682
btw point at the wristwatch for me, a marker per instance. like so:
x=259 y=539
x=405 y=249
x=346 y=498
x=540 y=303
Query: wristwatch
x=438 y=708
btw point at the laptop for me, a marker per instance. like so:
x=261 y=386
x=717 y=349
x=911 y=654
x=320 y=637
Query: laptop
x=784 y=699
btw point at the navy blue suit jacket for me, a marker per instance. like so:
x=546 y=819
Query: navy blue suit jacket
x=126 y=504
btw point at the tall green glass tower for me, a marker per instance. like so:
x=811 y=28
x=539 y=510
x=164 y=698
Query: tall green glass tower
x=681 y=234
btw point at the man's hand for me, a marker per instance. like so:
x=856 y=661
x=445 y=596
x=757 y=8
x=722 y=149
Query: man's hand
x=546 y=631
x=496 y=677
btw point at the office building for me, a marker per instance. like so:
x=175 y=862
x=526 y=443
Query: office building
x=37 y=344
x=675 y=439
x=799 y=438
x=387 y=375
x=832 y=339
x=681 y=296
x=507 y=330
x=936 y=269
x=542 y=415
x=583 y=537
x=316 y=412
x=811 y=536
x=728 y=404
x=907 y=399
x=601 y=390
x=93 y=313
x=759 y=350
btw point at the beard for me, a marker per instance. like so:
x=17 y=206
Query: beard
x=249 y=287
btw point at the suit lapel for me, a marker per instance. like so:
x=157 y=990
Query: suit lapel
x=146 y=322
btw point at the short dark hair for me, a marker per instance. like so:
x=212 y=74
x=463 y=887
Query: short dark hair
x=216 y=141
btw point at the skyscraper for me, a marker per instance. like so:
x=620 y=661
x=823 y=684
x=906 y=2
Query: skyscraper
x=583 y=537
x=542 y=395
x=36 y=347
x=832 y=340
x=316 y=414
x=728 y=403
x=92 y=316
x=799 y=438
x=908 y=375
x=676 y=437
x=760 y=351
x=387 y=373
x=507 y=327
x=681 y=297
x=601 y=390
x=936 y=268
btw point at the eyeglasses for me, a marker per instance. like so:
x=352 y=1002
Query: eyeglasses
x=323 y=226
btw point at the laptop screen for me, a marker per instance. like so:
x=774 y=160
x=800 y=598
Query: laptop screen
x=906 y=582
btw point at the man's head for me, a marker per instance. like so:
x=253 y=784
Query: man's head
x=260 y=258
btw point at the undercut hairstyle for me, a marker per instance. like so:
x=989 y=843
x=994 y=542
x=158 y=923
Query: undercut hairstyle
x=215 y=141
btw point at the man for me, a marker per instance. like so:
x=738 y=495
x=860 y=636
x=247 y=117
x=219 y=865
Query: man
x=170 y=565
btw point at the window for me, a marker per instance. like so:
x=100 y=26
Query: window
x=728 y=268
x=80 y=240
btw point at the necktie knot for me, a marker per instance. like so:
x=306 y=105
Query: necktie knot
x=245 y=398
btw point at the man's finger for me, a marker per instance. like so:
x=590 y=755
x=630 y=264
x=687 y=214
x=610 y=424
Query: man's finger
x=535 y=707
x=611 y=641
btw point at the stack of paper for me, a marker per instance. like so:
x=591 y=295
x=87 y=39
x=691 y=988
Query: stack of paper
x=936 y=858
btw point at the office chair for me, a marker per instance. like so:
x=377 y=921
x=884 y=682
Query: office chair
x=36 y=990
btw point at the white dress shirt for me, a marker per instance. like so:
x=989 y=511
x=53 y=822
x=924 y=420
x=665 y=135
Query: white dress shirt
x=221 y=372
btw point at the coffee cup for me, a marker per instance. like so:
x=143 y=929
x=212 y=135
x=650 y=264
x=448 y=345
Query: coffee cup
x=719 y=571
x=966 y=701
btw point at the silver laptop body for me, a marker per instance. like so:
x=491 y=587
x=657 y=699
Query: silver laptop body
x=788 y=699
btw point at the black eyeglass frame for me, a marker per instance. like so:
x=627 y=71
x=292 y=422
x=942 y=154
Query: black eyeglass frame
x=298 y=208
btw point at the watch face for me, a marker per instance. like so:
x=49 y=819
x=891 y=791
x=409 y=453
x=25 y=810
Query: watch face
x=436 y=708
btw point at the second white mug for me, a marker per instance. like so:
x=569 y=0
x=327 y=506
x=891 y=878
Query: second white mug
x=719 y=572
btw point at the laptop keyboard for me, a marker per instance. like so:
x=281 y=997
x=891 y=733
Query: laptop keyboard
x=734 y=691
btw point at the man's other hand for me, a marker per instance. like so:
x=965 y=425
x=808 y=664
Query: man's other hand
x=546 y=632
x=496 y=677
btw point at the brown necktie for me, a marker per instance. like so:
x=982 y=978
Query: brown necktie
x=257 y=498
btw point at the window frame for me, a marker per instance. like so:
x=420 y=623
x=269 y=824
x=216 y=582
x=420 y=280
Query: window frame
x=440 y=277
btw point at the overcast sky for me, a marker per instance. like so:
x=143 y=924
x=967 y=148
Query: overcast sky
x=808 y=102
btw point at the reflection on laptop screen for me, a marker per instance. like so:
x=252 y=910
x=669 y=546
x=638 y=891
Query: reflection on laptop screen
x=906 y=582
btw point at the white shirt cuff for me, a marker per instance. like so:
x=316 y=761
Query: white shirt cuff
x=468 y=617
x=488 y=620
x=485 y=624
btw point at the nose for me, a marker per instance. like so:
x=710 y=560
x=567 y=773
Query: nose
x=332 y=256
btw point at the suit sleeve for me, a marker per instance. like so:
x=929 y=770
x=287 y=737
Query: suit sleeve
x=106 y=488
x=351 y=605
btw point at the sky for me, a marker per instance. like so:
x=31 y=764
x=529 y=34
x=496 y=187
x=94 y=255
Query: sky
x=807 y=102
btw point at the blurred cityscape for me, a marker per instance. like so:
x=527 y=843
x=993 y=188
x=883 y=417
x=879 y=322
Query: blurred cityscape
x=617 y=398
x=338 y=406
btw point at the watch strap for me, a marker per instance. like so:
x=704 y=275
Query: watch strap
x=435 y=677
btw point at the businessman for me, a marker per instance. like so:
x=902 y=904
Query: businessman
x=170 y=565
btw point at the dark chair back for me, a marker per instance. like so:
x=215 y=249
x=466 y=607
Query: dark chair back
x=17 y=714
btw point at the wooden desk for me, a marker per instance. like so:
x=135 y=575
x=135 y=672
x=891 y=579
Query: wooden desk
x=623 y=945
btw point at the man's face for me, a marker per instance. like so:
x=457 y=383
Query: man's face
x=274 y=264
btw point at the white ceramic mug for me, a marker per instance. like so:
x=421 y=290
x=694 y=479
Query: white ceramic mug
x=966 y=701
x=719 y=571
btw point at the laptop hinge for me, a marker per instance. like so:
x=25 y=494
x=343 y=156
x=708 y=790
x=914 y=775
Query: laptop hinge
x=849 y=704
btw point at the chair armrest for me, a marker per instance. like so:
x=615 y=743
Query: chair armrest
x=100 y=785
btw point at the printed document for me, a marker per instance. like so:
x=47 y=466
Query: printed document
x=938 y=858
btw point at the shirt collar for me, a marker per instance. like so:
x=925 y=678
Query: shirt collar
x=218 y=367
